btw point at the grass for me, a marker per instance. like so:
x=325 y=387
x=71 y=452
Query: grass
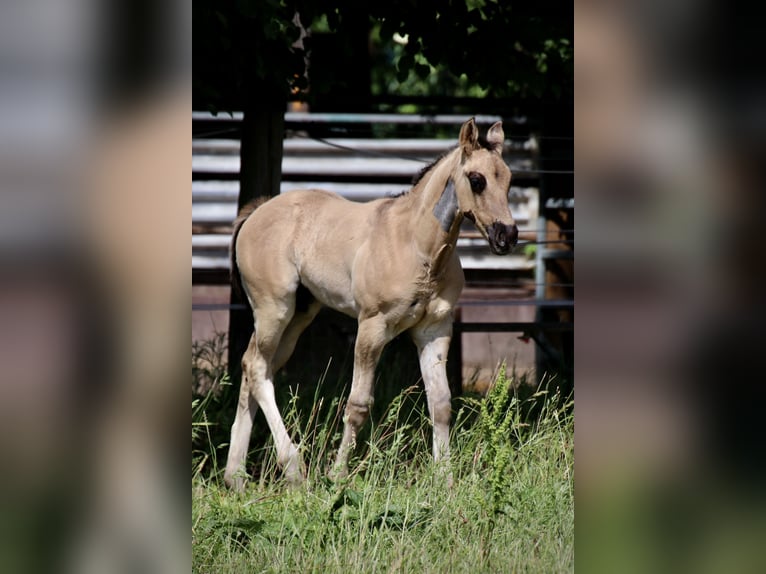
x=510 y=509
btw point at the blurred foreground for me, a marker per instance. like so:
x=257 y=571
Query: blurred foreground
x=670 y=143
x=95 y=287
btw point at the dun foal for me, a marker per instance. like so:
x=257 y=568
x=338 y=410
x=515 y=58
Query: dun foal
x=389 y=263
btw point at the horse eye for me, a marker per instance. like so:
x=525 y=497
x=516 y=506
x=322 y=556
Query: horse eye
x=478 y=182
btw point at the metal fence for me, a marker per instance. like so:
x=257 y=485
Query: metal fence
x=367 y=156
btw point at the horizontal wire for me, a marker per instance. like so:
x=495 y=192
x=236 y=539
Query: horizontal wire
x=206 y=134
x=559 y=303
x=373 y=153
x=362 y=131
x=565 y=241
x=469 y=234
x=548 y=171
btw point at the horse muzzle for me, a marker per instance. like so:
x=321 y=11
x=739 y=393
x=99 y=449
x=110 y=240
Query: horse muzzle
x=502 y=237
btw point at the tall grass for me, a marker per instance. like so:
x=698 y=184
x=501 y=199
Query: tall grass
x=510 y=507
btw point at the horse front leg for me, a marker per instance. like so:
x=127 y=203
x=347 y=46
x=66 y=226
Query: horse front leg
x=433 y=342
x=370 y=340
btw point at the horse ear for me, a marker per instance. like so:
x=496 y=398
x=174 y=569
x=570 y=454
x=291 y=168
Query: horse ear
x=469 y=137
x=496 y=137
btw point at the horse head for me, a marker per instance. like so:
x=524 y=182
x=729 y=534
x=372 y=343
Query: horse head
x=482 y=181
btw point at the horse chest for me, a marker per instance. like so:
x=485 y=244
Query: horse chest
x=424 y=307
x=414 y=312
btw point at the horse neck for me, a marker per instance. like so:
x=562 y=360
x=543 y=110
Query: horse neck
x=433 y=237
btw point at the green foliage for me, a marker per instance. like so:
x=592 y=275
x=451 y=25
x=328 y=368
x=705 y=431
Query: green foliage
x=243 y=48
x=499 y=412
x=396 y=71
x=475 y=49
x=463 y=48
x=510 y=507
x=530 y=251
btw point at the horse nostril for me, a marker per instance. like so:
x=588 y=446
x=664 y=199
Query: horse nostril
x=502 y=237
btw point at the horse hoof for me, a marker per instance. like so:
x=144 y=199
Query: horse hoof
x=338 y=474
x=295 y=472
x=237 y=484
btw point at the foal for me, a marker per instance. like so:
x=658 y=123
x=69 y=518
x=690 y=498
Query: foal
x=390 y=263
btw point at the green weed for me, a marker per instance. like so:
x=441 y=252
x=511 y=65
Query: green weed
x=510 y=508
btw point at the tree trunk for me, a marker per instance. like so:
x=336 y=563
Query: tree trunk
x=260 y=175
x=260 y=172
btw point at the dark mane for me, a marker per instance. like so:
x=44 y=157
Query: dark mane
x=421 y=174
x=483 y=143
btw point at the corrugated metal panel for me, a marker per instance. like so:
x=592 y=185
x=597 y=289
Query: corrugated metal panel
x=323 y=162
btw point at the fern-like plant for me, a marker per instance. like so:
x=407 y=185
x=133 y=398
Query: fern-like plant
x=498 y=413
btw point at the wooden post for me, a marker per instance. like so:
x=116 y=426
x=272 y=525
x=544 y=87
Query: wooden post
x=556 y=260
x=455 y=357
x=263 y=132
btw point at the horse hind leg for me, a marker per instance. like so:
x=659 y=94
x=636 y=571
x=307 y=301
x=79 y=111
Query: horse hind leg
x=272 y=324
x=306 y=309
x=258 y=383
x=247 y=407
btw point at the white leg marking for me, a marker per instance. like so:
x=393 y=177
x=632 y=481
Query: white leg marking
x=433 y=345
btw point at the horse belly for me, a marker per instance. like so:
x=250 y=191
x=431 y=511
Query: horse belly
x=331 y=289
x=329 y=234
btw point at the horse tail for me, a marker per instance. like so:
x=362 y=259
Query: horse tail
x=245 y=212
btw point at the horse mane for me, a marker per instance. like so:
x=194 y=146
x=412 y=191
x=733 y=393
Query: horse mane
x=483 y=144
x=422 y=173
